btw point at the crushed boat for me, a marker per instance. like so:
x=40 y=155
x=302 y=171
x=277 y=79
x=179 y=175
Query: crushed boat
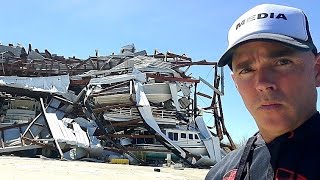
x=141 y=106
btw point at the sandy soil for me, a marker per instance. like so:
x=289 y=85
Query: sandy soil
x=12 y=168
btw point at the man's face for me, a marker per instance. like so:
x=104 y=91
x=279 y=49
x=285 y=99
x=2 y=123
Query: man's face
x=277 y=84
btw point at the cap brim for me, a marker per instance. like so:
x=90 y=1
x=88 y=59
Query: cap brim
x=227 y=56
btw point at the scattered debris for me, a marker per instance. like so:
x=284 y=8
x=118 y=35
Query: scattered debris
x=119 y=161
x=178 y=166
x=129 y=107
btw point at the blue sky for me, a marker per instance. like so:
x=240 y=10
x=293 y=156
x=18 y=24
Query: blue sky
x=197 y=28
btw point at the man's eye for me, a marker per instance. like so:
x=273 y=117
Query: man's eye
x=244 y=71
x=283 y=62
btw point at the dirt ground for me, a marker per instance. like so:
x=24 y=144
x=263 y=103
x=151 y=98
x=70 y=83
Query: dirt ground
x=16 y=168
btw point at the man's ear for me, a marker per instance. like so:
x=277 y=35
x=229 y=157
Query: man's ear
x=232 y=75
x=317 y=69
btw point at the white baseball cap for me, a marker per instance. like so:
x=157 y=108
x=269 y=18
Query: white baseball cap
x=269 y=22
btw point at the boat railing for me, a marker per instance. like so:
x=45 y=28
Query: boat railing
x=157 y=113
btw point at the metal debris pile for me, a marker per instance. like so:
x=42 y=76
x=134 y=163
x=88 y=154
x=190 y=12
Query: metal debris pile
x=129 y=105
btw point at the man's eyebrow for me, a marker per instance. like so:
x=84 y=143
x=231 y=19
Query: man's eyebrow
x=281 y=53
x=242 y=65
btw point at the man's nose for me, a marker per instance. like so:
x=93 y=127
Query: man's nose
x=265 y=80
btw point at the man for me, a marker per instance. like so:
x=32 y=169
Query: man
x=276 y=69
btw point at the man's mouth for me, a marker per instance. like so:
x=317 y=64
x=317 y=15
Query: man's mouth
x=270 y=106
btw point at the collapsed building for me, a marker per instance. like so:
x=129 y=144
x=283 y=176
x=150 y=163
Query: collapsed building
x=132 y=105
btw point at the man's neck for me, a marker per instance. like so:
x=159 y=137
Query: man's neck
x=268 y=136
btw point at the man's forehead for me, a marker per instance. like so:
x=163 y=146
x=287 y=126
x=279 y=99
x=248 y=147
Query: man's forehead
x=269 y=48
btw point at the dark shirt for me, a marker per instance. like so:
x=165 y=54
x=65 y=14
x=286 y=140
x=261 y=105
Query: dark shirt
x=294 y=155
